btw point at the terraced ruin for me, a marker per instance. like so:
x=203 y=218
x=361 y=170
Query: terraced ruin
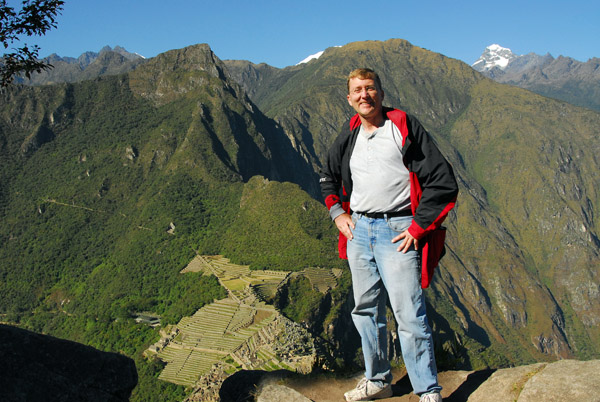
x=241 y=331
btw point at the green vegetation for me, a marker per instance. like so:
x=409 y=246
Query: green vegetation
x=281 y=218
x=299 y=301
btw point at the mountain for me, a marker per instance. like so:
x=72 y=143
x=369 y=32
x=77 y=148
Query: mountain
x=109 y=187
x=562 y=78
x=521 y=275
x=87 y=66
x=494 y=57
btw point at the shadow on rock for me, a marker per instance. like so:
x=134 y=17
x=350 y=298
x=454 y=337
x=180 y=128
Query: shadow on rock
x=43 y=368
x=402 y=386
x=473 y=381
x=243 y=385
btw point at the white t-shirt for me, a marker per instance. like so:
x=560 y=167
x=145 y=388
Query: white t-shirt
x=380 y=179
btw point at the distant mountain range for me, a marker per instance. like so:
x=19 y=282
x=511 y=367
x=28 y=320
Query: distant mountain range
x=89 y=65
x=562 y=78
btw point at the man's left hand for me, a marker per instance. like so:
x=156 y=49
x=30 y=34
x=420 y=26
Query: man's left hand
x=407 y=241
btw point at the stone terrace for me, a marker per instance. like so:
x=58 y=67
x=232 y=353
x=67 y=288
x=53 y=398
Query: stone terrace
x=236 y=332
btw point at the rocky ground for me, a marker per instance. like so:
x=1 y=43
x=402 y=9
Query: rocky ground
x=36 y=367
x=559 y=381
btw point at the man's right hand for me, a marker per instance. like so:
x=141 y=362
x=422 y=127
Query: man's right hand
x=344 y=224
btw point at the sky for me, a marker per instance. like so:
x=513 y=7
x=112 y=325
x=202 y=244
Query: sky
x=282 y=33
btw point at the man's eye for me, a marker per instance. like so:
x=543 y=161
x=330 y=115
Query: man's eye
x=369 y=89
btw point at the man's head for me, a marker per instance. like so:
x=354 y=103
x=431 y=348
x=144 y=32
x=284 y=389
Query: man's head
x=365 y=94
x=364 y=73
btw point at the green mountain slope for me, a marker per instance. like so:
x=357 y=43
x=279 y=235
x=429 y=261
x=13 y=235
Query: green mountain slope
x=522 y=272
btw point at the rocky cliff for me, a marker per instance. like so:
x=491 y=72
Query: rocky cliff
x=42 y=368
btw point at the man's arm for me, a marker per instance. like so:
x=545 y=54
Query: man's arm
x=345 y=225
x=330 y=175
x=436 y=179
x=331 y=184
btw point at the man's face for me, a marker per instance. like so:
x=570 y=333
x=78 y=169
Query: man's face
x=365 y=97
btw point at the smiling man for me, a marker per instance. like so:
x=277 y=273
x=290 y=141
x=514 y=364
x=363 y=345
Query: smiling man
x=388 y=189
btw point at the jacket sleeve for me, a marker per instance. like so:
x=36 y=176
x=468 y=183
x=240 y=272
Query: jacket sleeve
x=433 y=185
x=330 y=174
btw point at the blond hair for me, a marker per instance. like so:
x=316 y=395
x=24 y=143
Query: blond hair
x=364 y=74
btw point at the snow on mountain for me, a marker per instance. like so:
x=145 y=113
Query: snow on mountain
x=494 y=56
x=311 y=57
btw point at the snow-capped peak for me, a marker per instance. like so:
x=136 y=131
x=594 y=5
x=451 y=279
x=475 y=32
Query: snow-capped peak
x=312 y=56
x=494 y=56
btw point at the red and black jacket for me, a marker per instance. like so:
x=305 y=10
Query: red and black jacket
x=433 y=187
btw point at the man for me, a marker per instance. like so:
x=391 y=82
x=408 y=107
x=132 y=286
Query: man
x=400 y=189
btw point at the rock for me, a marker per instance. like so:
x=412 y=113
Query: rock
x=506 y=384
x=43 y=368
x=564 y=380
x=559 y=381
x=277 y=393
x=131 y=152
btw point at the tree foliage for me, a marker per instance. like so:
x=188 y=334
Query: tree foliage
x=36 y=17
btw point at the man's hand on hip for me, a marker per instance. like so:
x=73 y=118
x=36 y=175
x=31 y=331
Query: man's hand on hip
x=344 y=224
x=407 y=241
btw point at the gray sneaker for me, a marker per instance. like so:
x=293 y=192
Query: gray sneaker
x=367 y=391
x=432 y=397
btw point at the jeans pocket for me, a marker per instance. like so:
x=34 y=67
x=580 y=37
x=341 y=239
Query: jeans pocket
x=399 y=224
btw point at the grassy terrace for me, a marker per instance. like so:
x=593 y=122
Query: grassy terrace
x=219 y=331
x=321 y=279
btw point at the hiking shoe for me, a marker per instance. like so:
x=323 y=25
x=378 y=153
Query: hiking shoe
x=367 y=391
x=431 y=397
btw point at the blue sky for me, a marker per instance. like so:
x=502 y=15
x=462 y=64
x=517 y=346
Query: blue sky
x=282 y=33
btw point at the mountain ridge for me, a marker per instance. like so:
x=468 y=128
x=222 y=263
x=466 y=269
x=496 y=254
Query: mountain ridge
x=561 y=78
x=89 y=65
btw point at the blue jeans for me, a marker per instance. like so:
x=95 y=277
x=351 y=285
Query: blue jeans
x=378 y=271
